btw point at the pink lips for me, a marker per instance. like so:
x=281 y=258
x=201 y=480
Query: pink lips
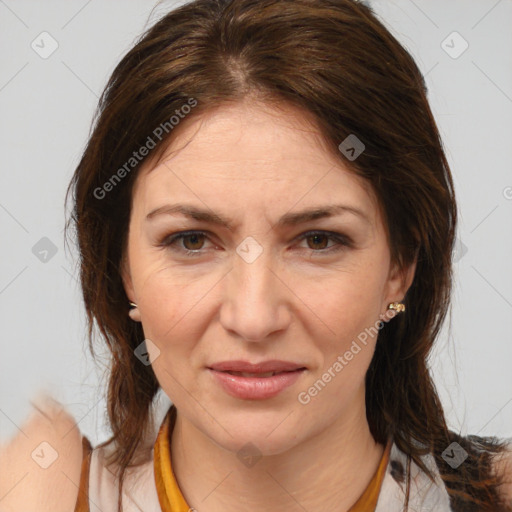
x=241 y=379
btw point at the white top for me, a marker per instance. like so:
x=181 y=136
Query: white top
x=139 y=489
x=140 y=492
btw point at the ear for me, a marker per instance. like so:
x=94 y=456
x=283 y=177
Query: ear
x=134 y=313
x=399 y=281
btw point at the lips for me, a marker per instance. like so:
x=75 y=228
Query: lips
x=255 y=385
x=255 y=381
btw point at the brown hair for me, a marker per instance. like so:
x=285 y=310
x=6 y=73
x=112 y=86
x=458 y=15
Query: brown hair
x=336 y=61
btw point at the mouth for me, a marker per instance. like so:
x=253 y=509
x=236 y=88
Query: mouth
x=260 y=375
x=259 y=384
x=261 y=369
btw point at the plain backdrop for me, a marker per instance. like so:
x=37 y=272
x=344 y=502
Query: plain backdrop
x=46 y=108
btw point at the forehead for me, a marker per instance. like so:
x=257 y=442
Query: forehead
x=249 y=153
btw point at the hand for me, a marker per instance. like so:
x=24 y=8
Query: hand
x=40 y=466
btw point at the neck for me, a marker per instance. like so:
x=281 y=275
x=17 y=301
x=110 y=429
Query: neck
x=339 y=462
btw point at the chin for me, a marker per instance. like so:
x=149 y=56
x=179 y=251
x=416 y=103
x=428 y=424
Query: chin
x=265 y=431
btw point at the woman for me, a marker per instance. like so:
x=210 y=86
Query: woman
x=265 y=217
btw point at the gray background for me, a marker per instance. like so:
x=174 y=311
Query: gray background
x=46 y=107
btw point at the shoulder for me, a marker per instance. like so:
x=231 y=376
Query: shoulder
x=499 y=449
x=503 y=468
x=40 y=467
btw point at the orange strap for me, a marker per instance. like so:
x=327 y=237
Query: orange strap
x=166 y=485
x=368 y=500
x=82 y=503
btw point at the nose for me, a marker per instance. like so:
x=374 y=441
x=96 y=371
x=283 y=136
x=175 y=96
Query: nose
x=255 y=300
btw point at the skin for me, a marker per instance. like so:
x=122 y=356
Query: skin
x=40 y=466
x=297 y=301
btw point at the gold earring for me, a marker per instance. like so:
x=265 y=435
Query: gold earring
x=397 y=306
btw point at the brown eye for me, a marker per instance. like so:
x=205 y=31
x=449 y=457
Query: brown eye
x=190 y=243
x=318 y=241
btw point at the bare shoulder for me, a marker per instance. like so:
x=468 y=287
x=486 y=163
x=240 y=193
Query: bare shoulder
x=503 y=467
x=40 y=467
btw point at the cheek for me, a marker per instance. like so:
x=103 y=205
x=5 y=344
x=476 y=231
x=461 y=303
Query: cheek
x=176 y=307
x=171 y=319
x=344 y=302
x=168 y=305
x=348 y=307
x=350 y=318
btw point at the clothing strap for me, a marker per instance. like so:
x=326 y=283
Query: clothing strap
x=82 y=504
x=368 y=500
x=167 y=493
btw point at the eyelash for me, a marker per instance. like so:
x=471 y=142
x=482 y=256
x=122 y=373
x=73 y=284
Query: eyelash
x=341 y=240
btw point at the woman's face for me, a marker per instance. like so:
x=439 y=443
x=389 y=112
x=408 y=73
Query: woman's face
x=259 y=288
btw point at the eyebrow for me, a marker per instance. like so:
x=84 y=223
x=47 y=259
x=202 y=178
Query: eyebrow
x=288 y=219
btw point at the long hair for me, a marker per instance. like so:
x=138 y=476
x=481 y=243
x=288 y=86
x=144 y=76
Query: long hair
x=337 y=62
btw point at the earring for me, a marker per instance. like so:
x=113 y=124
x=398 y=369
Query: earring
x=134 y=312
x=397 y=306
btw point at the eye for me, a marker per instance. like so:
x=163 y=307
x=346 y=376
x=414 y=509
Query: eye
x=320 y=238
x=196 y=241
x=193 y=242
